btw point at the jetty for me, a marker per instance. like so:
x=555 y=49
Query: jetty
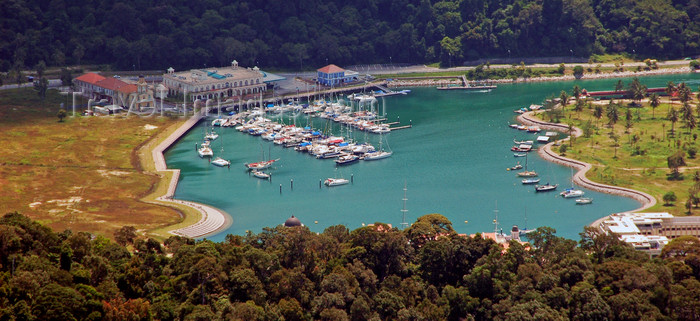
x=467 y=86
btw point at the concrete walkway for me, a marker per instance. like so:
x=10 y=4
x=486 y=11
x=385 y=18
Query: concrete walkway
x=213 y=220
x=582 y=167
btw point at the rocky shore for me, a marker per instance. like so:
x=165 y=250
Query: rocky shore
x=428 y=81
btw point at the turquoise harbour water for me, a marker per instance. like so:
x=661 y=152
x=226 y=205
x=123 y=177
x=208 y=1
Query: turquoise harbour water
x=453 y=162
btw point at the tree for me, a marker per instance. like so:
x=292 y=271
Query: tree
x=61 y=114
x=669 y=198
x=564 y=98
x=684 y=93
x=675 y=161
x=576 y=91
x=619 y=86
x=613 y=115
x=40 y=68
x=66 y=77
x=598 y=113
x=654 y=102
x=637 y=90
x=578 y=71
x=670 y=88
x=125 y=235
x=561 y=69
x=41 y=86
x=672 y=117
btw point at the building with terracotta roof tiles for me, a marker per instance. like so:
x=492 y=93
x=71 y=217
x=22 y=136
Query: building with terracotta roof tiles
x=333 y=75
x=215 y=83
x=86 y=83
x=116 y=91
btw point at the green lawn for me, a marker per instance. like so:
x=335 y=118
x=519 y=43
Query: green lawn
x=639 y=158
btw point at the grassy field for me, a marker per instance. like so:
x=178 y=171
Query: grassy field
x=636 y=157
x=82 y=174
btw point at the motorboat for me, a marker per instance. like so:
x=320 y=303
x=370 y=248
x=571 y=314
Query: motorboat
x=584 y=201
x=519 y=154
x=347 y=159
x=261 y=174
x=211 y=136
x=221 y=162
x=572 y=193
x=516 y=167
x=530 y=181
x=546 y=187
x=335 y=181
x=521 y=142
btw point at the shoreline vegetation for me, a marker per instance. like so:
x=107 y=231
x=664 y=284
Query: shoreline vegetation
x=425 y=80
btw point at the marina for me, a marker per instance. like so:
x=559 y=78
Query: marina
x=452 y=128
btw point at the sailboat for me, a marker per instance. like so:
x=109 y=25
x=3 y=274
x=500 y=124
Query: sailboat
x=219 y=161
x=527 y=173
x=571 y=192
x=378 y=154
x=261 y=164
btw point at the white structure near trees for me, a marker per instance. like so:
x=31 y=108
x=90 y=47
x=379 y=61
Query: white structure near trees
x=215 y=83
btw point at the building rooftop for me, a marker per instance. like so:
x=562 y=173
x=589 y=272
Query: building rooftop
x=331 y=69
x=90 y=77
x=111 y=84
x=214 y=75
x=270 y=77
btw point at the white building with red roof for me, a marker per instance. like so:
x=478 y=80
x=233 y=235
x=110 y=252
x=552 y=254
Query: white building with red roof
x=115 y=91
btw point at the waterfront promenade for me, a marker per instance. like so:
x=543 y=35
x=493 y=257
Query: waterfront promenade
x=582 y=167
x=212 y=220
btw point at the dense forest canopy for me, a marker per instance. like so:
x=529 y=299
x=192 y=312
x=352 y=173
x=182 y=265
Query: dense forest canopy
x=372 y=273
x=154 y=34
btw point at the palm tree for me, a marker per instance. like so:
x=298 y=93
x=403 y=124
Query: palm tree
x=564 y=97
x=613 y=116
x=576 y=91
x=684 y=93
x=654 y=102
x=670 y=88
x=637 y=90
x=672 y=117
x=570 y=129
x=619 y=85
x=578 y=107
x=598 y=113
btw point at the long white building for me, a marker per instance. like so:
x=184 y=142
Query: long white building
x=215 y=83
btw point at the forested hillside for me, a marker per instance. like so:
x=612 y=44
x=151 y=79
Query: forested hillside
x=296 y=34
x=372 y=273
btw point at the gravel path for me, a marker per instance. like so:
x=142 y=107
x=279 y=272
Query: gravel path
x=582 y=167
x=213 y=219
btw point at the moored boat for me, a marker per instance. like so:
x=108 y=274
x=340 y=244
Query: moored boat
x=546 y=187
x=571 y=193
x=519 y=154
x=377 y=155
x=261 y=165
x=220 y=162
x=527 y=174
x=261 y=174
x=584 y=201
x=347 y=159
x=335 y=181
x=530 y=181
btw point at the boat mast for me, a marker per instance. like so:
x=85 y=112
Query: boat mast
x=495 y=222
x=404 y=210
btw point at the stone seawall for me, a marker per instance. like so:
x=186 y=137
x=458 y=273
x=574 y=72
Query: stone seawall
x=582 y=167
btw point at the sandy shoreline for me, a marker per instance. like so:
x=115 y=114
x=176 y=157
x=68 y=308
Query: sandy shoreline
x=582 y=167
